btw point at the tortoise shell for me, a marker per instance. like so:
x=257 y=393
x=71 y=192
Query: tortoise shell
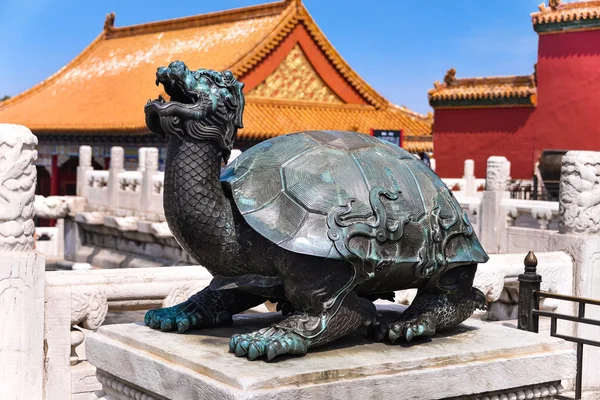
x=336 y=194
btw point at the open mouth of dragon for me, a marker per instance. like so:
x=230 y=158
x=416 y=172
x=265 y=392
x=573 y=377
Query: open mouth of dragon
x=177 y=90
x=163 y=115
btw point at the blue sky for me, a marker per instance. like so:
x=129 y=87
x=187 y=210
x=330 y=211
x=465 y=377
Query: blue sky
x=399 y=46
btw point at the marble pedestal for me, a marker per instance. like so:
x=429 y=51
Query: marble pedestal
x=477 y=360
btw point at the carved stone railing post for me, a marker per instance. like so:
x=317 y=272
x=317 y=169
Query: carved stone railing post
x=85 y=164
x=497 y=172
x=142 y=159
x=21 y=269
x=469 y=177
x=493 y=216
x=150 y=168
x=432 y=164
x=88 y=310
x=117 y=155
x=70 y=307
x=579 y=235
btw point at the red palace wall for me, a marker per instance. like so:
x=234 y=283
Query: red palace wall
x=567 y=115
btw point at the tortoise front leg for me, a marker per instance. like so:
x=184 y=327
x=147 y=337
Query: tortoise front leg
x=286 y=337
x=207 y=308
x=440 y=309
x=430 y=313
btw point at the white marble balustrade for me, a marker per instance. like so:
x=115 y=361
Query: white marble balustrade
x=503 y=224
x=78 y=301
x=96 y=188
x=506 y=225
x=129 y=193
x=124 y=193
x=543 y=212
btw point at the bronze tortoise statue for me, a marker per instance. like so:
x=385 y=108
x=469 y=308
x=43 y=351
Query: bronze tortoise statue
x=321 y=222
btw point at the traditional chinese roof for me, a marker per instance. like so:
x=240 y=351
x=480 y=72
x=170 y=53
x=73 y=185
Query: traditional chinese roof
x=505 y=91
x=104 y=89
x=559 y=16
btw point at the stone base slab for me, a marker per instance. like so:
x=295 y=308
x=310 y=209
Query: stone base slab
x=477 y=360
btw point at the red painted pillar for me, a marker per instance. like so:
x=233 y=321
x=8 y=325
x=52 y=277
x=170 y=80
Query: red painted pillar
x=54 y=177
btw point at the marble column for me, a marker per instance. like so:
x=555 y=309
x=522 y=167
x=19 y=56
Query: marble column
x=579 y=235
x=21 y=269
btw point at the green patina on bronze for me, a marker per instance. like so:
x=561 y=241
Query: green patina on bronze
x=320 y=222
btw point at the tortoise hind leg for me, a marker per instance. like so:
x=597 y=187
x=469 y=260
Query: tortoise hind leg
x=207 y=308
x=286 y=338
x=453 y=301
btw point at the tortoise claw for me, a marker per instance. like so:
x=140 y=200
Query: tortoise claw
x=421 y=326
x=269 y=342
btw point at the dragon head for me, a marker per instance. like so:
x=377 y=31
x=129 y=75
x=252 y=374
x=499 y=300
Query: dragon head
x=204 y=105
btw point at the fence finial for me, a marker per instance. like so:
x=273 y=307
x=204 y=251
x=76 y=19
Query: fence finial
x=531 y=263
x=529 y=284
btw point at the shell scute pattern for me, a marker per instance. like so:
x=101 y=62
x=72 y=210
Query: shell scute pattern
x=312 y=173
x=279 y=220
x=322 y=179
x=257 y=190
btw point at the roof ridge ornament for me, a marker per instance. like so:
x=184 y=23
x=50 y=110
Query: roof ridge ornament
x=300 y=11
x=553 y=5
x=109 y=22
x=450 y=78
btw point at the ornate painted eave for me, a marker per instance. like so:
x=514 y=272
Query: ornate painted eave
x=508 y=91
x=557 y=17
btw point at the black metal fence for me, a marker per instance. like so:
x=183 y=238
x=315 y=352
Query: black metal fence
x=530 y=313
